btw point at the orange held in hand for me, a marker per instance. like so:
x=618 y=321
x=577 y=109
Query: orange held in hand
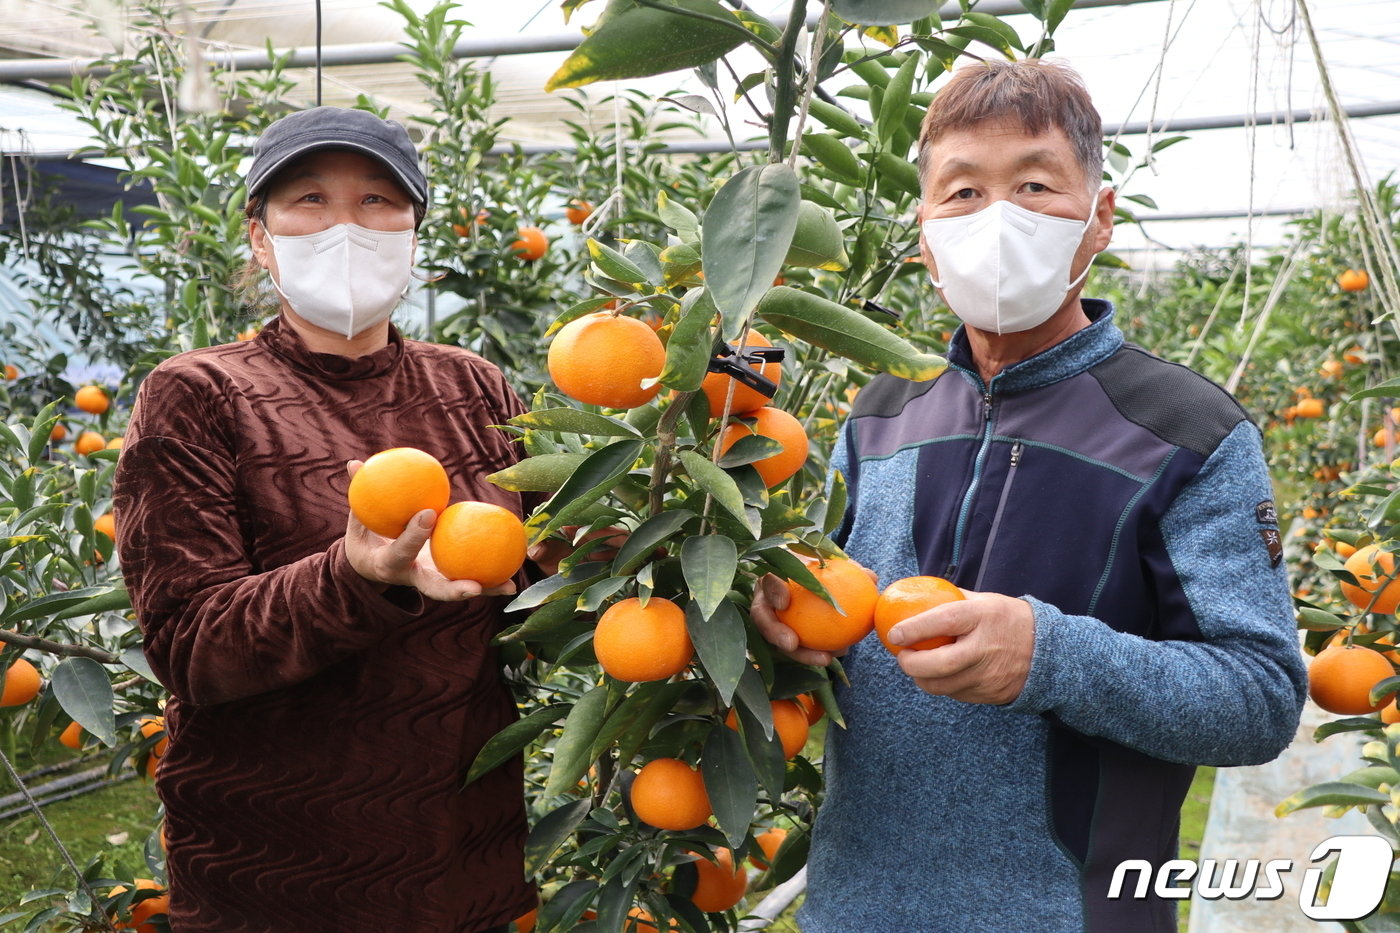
x=670 y=794
x=817 y=623
x=92 y=399
x=1374 y=570
x=908 y=597
x=642 y=643
x=396 y=484
x=1340 y=679
x=781 y=427
x=22 y=683
x=716 y=385
x=601 y=359
x=478 y=541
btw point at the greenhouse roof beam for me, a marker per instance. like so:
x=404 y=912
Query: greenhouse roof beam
x=382 y=53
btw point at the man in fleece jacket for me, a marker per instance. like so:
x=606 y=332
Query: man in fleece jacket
x=1110 y=518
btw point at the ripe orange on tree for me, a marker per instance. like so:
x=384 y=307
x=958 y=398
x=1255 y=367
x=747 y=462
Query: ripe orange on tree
x=719 y=885
x=781 y=427
x=640 y=920
x=820 y=625
x=769 y=841
x=1354 y=280
x=92 y=399
x=601 y=359
x=789 y=724
x=396 y=484
x=155 y=725
x=669 y=794
x=578 y=211
x=72 y=736
x=478 y=541
x=908 y=597
x=745 y=400
x=89 y=442
x=1376 y=587
x=116 y=443
x=532 y=244
x=106 y=524
x=58 y=433
x=811 y=706
x=525 y=923
x=11 y=372
x=1309 y=408
x=143 y=910
x=22 y=683
x=643 y=643
x=1340 y=678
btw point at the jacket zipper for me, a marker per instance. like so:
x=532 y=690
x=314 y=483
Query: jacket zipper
x=981 y=460
x=1016 y=450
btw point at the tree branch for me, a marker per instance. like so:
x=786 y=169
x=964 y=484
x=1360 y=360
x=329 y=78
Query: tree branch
x=57 y=647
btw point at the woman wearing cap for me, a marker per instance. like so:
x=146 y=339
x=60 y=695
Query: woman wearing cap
x=328 y=687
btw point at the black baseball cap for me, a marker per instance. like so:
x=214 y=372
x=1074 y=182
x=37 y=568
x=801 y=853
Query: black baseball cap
x=337 y=128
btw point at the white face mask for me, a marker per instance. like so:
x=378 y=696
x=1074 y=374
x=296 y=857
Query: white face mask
x=1005 y=269
x=346 y=278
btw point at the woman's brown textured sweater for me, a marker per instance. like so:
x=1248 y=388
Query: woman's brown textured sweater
x=319 y=730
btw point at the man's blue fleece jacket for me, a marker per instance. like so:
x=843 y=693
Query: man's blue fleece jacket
x=1127 y=500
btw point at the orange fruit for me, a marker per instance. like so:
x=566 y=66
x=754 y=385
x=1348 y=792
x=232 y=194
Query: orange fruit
x=531 y=245
x=1341 y=677
x=578 y=211
x=72 y=737
x=1309 y=408
x=11 y=372
x=89 y=442
x=770 y=840
x=640 y=920
x=820 y=625
x=601 y=359
x=22 y=683
x=155 y=725
x=1356 y=354
x=641 y=643
x=1375 y=589
x=92 y=399
x=143 y=910
x=789 y=724
x=781 y=427
x=670 y=794
x=1354 y=280
x=478 y=541
x=58 y=433
x=1383 y=437
x=908 y=597
x=716 y=385
x=1390 y=712
x=106 y=524
x=396 y=484
x=1331 y=369
x=719 y=885
x=525 y=923
x=116 y=443
x=811 y=706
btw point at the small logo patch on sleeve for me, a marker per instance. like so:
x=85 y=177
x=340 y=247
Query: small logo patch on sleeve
x=1265 y=513
x=1273 y=543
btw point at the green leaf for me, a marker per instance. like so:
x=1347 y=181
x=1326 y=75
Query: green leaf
x=845 y=332
x=549 y=617
x=550 y=832
x=884 y=12
x=641 y=41
x=709 y=563
x=1331 y=793
x=614 y=265
x=135 y=660
x=639 y=720
x=747 y=231
x=81 y=687
x=835 y=503
x=1384 y=688
x=1009 y=38
x=595 y=476
x=989 y=37
x=574 y=421
x=115 y=599
x=818 y=242
x=895 y=101
x=649 y=535
x=730 y=783
x=835 y=156
x=718 y=484
x=541 y=473
x=688 y=351
x=679 y=218
x=570 y=582
x=1315 y=620
x=55 y=603
x=513 y=739
x=572 y=752
x=43 y=427
x=1387 y=389
x=836 y=118
x=722 y=644
x=899 y=172
x=755 y=714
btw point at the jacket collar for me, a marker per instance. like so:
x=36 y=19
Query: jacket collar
x=1073 y=355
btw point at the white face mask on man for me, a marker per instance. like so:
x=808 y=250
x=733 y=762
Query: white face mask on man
x=346 y=278
x=1005 y=269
